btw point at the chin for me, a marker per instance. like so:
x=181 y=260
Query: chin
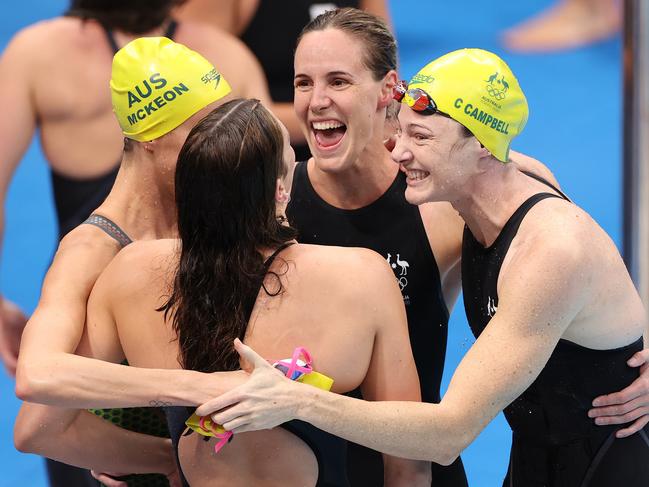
x=331 y=163
x=416 y=197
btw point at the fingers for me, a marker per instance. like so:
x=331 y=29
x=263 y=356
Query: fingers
x=617 y=409
x=636 y=389
x=634 y=428
x=249 y=355
x=219 y=403
x=107 y=480
x=639 y=358
x=229 y=415
x=623 y=418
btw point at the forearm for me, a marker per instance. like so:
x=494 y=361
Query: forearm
x=91 y=442
x=68 y=380
x=412 y=430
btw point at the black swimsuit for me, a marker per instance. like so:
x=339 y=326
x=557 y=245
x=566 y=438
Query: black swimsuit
x=328 y=449
x=392 y=227
x=555 y=443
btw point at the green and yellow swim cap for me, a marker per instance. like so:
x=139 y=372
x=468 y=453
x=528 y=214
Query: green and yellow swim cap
x=477 y=89
x=157 y=84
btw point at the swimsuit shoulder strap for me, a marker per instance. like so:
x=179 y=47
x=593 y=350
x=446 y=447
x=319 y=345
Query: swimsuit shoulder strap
x=169 y=32
x=546 y=182
x=110 y=227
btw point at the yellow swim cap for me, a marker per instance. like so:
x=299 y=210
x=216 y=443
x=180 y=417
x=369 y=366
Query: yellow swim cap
x=477 y=89
x=157 y=84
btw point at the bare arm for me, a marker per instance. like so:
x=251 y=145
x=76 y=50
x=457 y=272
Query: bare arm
x=50 y=373
x=17 y=125
x=88 y=441
x=485 y=382
x=444 y=229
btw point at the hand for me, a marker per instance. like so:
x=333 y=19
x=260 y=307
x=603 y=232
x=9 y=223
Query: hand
x=264 y=401
x=12 y=323
x=629 y=404
x=108 y=478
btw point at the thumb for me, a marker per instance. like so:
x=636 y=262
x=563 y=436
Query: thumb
x=249 y=355
x=638 y=359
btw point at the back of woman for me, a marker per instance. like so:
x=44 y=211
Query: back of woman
x=238 y=273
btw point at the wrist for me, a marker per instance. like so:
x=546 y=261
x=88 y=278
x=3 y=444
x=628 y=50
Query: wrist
x=305 y=399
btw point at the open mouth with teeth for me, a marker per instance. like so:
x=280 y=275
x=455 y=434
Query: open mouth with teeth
x=328 y=133
x=414 y=175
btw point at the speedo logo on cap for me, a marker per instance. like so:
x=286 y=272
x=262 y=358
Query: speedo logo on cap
x=148 y=88
x=421 y=79
x=483 y=117
x=213 y=75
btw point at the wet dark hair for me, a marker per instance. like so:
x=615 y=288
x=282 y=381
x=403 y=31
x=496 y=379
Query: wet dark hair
x=132 y=16
x=380 y=44
x=225 y=196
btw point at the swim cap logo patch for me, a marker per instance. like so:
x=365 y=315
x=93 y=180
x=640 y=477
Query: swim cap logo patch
x=213 y=75
x=421 y=79
x=145 y=89
x=497 y=88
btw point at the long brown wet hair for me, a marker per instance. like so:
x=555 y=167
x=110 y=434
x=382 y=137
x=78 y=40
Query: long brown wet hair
x=225 y=195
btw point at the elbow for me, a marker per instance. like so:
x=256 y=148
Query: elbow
x=447 y=458
x=33 y=382
x=453 y=447
x=25 y=435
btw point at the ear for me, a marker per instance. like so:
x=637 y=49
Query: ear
x=483 y=151
x=281 y=195
x=387 y=88
x=150 y=145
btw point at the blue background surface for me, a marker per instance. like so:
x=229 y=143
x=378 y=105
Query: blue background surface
x=574 y=127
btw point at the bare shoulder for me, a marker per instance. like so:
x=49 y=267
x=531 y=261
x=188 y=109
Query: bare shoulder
x=351 y=269
x=212 y=42
x=141 y=260
x=564 y=236
x=46 y=35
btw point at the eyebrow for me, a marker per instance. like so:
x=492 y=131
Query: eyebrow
x=411 y=125
x=331 y=73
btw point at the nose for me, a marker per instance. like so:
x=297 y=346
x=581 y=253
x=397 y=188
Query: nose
x=400 y=152
x=319 y=98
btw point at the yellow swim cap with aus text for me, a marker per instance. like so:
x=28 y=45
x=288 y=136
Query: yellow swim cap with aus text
x=477 y=89
x=157 y=84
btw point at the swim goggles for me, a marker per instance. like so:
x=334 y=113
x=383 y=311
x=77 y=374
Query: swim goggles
x=297 y=368
x=415 y=98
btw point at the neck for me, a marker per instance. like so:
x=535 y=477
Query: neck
x=489 y=199
x=141 y=203
x=358 y=185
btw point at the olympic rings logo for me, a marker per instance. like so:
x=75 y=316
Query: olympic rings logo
x=496 y=93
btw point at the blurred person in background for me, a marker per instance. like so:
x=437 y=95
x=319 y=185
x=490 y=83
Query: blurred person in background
x=270 y=28
x=566 y=24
